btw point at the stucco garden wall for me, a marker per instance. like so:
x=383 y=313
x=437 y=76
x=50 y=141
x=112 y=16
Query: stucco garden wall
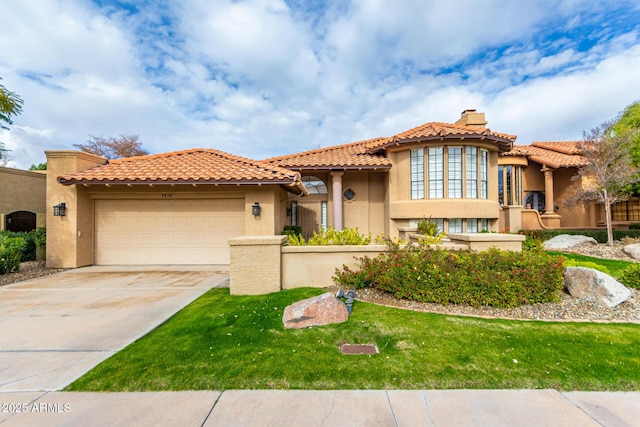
x=22 y=190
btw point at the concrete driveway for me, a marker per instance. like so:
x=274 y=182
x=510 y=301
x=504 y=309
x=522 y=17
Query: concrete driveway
x=56 y=328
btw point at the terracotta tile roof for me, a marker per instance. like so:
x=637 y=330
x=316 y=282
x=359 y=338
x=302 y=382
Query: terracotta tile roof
x=563 y=154
x=348 y=156
x=437 y=131
x=195 y=166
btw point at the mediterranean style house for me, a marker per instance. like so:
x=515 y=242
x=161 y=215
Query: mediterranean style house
x=183 y=207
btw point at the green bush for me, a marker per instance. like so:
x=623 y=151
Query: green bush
x=600 y=234
x=292 y=230
x=634 y=226
x=11 y=249
x=331 y=236
x=494 y=277
x=28 y=252
x=630 y=276
x=429 y=229
x=40 y=237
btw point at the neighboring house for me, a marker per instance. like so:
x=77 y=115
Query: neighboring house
x=23 y=199
x=183 y=207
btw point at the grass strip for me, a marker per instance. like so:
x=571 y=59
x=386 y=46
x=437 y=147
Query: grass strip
x=612 y=267
x=224 y=342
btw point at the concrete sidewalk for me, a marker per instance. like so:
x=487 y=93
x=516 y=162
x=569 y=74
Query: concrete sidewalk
x=323 y=408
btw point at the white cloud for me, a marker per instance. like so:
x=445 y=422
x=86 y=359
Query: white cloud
x=262 y=78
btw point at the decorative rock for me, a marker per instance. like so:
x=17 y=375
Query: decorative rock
x=595 y=286
x=321 y=310
x=567 y=241
x=632 y=250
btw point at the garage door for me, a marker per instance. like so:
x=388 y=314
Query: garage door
x=177 y=231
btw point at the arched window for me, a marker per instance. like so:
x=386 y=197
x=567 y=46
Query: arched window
x=314 y=185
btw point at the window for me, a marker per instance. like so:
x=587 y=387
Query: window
x=509 y=185
x=436 y=172
x=417 y=173
x=484 y=174
x=472 y=172
x=454 y=171
x=314 y=185
x=440 y=223
x=294 y=213
x=455 y=225
x=349 y=194
x=324 y=218
x=472 y=225
x=484 y=224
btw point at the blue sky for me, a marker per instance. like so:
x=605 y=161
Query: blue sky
x=265 y=78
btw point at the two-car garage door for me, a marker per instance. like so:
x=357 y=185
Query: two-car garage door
x=166 y=231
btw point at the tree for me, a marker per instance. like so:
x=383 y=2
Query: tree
x=609 y=171
x=38 y=167
x=10 y=105
x=629 y=121
x=113 y=148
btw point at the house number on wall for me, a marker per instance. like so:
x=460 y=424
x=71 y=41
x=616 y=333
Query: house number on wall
x=166 y=195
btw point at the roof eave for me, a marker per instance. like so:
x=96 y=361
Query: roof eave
x=129 y=182
x=504 y=144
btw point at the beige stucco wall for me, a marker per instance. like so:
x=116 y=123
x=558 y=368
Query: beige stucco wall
x=69 y=237
x=22 y=190
x=315 y=266
x=255 y=265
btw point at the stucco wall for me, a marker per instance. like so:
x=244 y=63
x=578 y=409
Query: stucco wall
x=315 y=266
x=22 y=190
x=69 y=237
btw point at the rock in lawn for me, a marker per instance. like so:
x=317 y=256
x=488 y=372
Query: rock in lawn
x=632 y=250
x=567 y=241
x=321 y=310
x=593 y=285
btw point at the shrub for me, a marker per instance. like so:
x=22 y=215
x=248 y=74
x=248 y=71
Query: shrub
x=28 y=252
x=494 y=277
x=11 y=248
x=331 y=236
x=429 y=229
x=630 y=276
x=292 y=230
x=40 y=237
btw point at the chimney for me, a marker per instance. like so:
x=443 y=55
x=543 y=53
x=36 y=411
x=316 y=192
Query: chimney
x=472 y=119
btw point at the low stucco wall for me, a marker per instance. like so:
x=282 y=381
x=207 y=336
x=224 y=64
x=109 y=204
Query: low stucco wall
x=314 y=266
x=255 y=265
x=484 y=241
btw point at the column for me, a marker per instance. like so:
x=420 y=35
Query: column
x=548 y=190
x=336 y=183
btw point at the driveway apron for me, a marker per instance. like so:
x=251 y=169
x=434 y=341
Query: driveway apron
x=54 y=329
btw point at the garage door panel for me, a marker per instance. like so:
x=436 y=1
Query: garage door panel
x=166 y=231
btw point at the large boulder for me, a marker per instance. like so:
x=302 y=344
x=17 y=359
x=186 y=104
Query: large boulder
x=321 y=310
x=567 y=241
x=595 y=286
x=633 y=250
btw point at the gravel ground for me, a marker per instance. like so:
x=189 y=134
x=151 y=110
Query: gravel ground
x=28 y=270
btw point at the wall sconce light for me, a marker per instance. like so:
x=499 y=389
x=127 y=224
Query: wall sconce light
x=255 y=209
x=60 y=209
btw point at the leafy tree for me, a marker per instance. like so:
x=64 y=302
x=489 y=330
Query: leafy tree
x=629 y=121
x=113 y=148
x=39 y=167
x=10 y=105
x=609 y=171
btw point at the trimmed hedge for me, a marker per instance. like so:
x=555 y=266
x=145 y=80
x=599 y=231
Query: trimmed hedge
x=494 y=278
x=599 y=235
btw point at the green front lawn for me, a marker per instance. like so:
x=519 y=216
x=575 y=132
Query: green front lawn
x=224 y=342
